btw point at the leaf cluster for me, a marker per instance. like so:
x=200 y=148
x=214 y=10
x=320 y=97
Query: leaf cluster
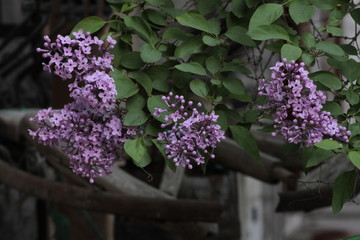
x=206 y=49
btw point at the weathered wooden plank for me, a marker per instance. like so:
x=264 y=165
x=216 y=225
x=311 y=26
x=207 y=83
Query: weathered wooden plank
x=10 y=123
x=101 y=201
x=171 y=181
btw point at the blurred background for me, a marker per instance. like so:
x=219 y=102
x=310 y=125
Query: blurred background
x=248 y=205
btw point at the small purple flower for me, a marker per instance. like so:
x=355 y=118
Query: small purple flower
x=79 y=34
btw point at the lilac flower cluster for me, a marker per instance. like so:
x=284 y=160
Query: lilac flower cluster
x=296 y=106
x=89 y=129
x=74 y=58
x=192 y=133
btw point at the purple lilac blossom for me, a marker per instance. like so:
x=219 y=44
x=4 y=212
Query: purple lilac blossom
x=74 y=58
x=91 y=142
x=192 y=133
x=89 y=129
x=296 y=105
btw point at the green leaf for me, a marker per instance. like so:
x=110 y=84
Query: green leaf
x=251 y=3
x=328 y=144
x=328 y=79
x=234 y=85
x=332 y=107
x=354 y=129
x=181 y=79
x=348 y=68
x=307 y=58
x=141 y=27
x=124 y=86
x=215 y=82
x=352 y=98
x=199 y=87
x=131 y=60
x=266 y=32
x=192 y=67
x=213 y=64
x=210 y=41
x=174 y=12
x=318 y=156
x=242 y=97
x=330 y=48
x=155 y=101
x=239 y=34
x=275 y=46
x=164 y=3
x=137 y=150
x=135 y=117
x=135 y=102
x=144 y=81
x=231 y=113
x=354 y=157
x=308 y=39
x=301 y=11
x=159 y=76
x=164 y=47
x=250 y=116
x=355 y=14
x=149 y=54
x=265 y=14
x=160 y=145
x=207 y=6
x=235 y=67
x=325 y=5
x=343 y=189
x=152 y=128
x=290 y=52
x=222 y=120
x=335 y=17
x=116 y=51
x=214 y=24
x=90 y=24
x=174 y=33
x=156 y=17
x=349 y=49
x=188 y=47
x=196 y=21
x=335 y=31
x=126 y=7
x=246 y=141
x=238 y=8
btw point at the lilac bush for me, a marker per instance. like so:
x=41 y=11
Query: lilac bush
x=89 y=129
x=191 y=135
x=198 y=57
x=296 y=104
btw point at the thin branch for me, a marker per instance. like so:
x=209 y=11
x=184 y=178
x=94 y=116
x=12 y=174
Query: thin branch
x=315 y=30
x=309 y=199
